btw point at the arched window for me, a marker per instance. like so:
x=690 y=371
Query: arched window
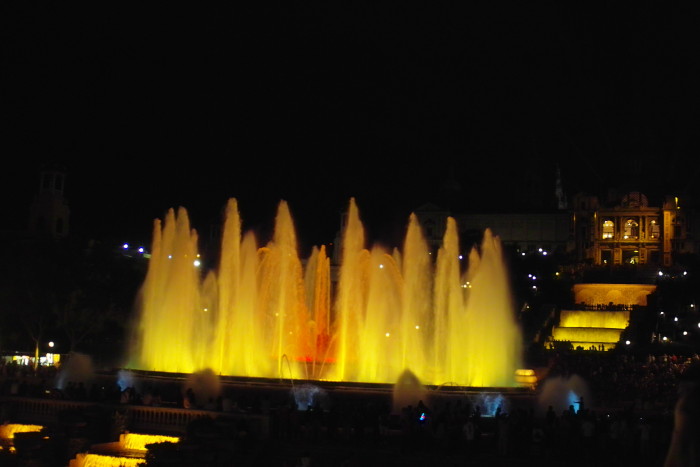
x=654 y=229
x=608 y=229
x=631 y=229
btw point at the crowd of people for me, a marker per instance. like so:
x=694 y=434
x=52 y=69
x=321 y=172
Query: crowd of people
x=630 y=416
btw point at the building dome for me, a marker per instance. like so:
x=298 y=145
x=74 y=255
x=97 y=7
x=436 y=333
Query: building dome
x=635 y=199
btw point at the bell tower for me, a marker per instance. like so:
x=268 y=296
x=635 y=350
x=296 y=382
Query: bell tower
x=49 y=212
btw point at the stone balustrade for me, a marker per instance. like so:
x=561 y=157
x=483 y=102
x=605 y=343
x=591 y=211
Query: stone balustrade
x=138 y=418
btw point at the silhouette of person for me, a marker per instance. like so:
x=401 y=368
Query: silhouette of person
x=684 y=449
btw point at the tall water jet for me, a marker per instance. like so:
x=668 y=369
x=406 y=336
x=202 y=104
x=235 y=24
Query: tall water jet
x=263 y=312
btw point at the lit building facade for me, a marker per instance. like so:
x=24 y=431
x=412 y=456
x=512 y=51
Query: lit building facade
x=625 y=230
x=630 y=231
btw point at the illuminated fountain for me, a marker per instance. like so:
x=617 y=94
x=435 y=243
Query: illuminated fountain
x=263 y=312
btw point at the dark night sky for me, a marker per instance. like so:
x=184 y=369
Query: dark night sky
x=313 y=102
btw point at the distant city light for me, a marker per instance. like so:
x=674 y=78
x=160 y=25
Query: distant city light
x=661 y=273
x=461 y=257
x=140 y=249
x=125 y=246
x=685 y=333
x=381 y=266
x=675 y=318
x=627 y=342
x=51 y=344
x=417 y=327
x=387 y=334
x=197 y=263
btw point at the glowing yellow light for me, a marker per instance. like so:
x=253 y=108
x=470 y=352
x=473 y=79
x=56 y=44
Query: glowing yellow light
x=594 y=319
x=196 y=263
x=100 y=460
x=7 y=431
x=387 y=334
x=417 y=327
x=138 y=441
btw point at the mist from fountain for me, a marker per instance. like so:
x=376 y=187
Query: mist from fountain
x=263 y=312
x=562 y=392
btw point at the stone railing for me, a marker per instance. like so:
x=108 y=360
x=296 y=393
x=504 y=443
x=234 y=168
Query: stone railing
x=137 y=418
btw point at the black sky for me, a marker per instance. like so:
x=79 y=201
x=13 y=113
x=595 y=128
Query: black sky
x=152 y=107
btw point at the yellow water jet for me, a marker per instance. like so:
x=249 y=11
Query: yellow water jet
x=263 y=312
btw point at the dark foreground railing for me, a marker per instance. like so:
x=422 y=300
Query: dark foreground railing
x=134 y=418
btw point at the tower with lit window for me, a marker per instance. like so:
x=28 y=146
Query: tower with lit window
x=49 y=212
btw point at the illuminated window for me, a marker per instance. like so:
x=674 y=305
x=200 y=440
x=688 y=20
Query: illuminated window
x=631 y=229
x=654 y=229
x=608 y=229
x=630 y=256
